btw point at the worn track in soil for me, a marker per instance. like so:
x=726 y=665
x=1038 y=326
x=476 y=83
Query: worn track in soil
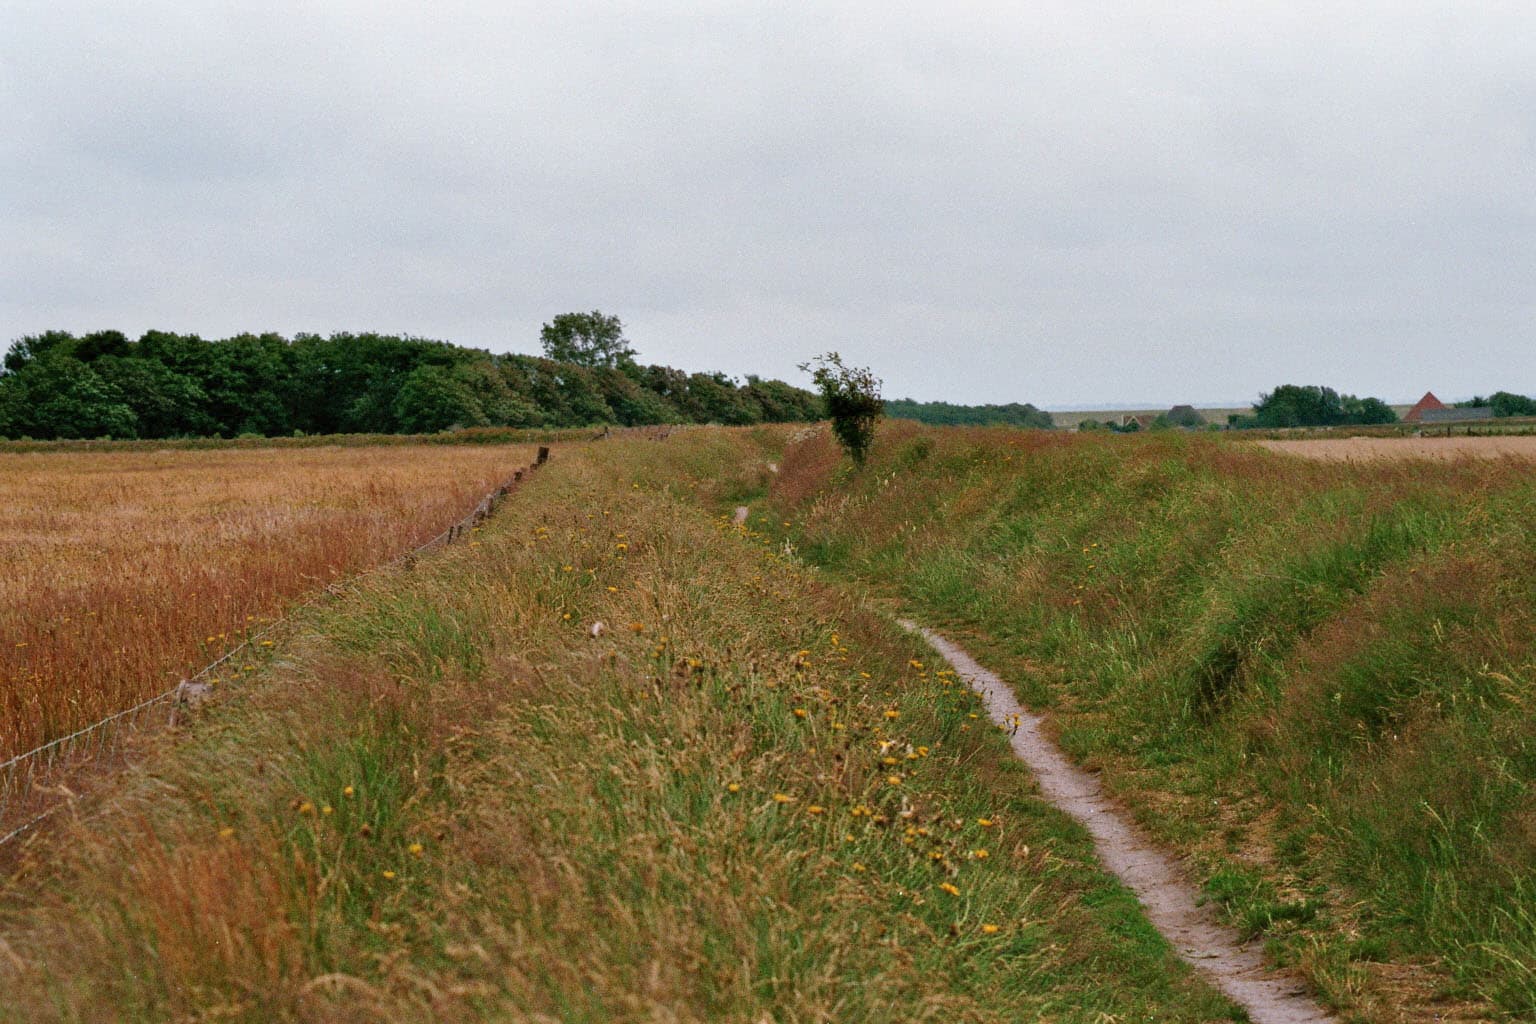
x=1235 y=967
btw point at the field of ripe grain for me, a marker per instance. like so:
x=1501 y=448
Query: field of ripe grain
x=122 y=571
x=1368 y=449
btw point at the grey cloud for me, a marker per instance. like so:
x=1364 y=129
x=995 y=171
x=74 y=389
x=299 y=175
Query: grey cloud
x=1074 y=203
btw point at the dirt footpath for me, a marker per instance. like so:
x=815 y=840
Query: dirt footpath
x=1364 y=449
x=1171 y=902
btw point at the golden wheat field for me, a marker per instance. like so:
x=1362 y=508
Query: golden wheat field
x=121 y=572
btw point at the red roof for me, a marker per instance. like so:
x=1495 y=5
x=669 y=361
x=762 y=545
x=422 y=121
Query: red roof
x=1429 y=401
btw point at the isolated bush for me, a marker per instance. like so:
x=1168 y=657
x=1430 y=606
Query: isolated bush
x=852 y=396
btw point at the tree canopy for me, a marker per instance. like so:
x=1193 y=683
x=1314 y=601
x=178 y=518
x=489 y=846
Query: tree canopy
x=1297 y=405
x=587 y=339
x=944 y=413
x=164 y=385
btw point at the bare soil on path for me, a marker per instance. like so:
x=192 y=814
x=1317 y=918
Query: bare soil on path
x=1171 y=903
x=1366 y=449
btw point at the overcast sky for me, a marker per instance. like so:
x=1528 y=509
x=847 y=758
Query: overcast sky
x=1071 y=204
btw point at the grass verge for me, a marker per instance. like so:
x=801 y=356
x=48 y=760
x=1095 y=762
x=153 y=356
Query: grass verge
x=1316 y=679
x=610 y=760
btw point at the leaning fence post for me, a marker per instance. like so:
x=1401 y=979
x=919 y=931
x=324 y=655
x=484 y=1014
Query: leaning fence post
x=543 y=455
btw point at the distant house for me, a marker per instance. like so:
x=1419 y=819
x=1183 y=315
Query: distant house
x=1429 y=403
x=1431 y=410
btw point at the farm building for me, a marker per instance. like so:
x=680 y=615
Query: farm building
x=1454 y=415
x=1429 y=403
x=1431 y=410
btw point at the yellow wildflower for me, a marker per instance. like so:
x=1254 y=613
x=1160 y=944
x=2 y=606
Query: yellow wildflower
x=950 y=888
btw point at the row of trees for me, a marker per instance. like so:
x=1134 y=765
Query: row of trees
x=58 y=385
x=1296 y=405
x=1503 y=403
x=944 y=413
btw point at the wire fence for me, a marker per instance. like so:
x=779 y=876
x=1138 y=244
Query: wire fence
x=33 y=785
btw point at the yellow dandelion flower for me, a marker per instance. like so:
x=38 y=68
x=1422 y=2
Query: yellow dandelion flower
x=613 y=590
x=226 y=832
x=266 y=643
x=621 y=546
x=989 y=929
x=387 y=874
x=415 y=849
x=637 y=627
x=327 y=809
x=348 y=791
x=860 y=868
x=864 y=675
x=306 y=808
x=890 y=760
x=733 y=787
x=783 y=798
x=894 y=780
x=922 y=751
x=567 y=568
x=985 y=822
x=892 y=713
x=915 y=663
x=950 y=888
x=815 y=809
x=801 y=712
x=980 y=854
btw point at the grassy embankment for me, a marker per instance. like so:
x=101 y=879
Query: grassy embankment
x=746 y=798
x=1317 y=678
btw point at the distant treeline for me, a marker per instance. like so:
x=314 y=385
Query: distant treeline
x=1298 y=405
x=1503 y=403
x=57 y=385
x=943 y=413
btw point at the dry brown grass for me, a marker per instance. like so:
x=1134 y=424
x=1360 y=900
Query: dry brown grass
x=122 y=571
x=1369 y=449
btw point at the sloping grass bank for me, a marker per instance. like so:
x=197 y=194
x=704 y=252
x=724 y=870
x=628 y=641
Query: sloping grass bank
x=610 y=760
x=1319 y=679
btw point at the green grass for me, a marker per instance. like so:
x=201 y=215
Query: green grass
x=1317 y=679
x=452 y=801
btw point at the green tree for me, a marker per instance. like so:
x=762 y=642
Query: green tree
x=852 y=397
x=57 y=396
x=1506 y=403
x=434 y=398
x=587 y=339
